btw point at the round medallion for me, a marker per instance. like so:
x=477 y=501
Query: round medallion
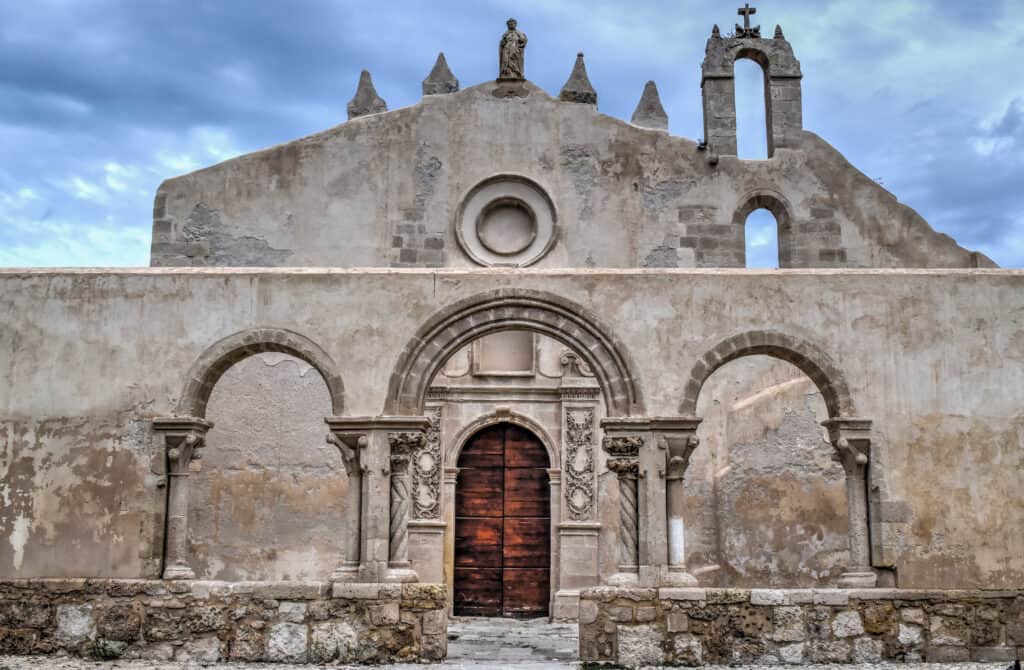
x=507 y=220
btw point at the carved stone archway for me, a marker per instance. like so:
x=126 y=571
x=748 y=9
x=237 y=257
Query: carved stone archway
x=185 y=433
x=216 y=360
x=809 y=358
x=849 y=435
x=513 y=309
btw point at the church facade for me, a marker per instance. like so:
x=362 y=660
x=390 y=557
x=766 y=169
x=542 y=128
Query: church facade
x=498 y=354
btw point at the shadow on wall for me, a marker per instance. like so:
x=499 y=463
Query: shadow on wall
x=268 y=502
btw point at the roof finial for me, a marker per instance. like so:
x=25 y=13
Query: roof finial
x=579 y=88
x=649 y=112
x=366 y=101
x=716 y=33
x=440 y=80
x=778 y=33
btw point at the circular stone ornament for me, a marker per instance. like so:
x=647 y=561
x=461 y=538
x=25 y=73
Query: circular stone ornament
x=506 y=221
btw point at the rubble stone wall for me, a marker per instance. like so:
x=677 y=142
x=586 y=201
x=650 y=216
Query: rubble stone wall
x=691 y=627
x=296 y=622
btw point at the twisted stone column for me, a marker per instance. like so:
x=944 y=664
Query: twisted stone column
x=851 y=439
x=351 y=447
x=183 y=438
x=403 y=445
x=624 y=461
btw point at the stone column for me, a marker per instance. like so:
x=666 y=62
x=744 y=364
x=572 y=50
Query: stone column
x=351 y=446
x=402 y=446
x=624 y=461
x=678 y=438
x=375 y=513
x=851 y=439
x=183 y=438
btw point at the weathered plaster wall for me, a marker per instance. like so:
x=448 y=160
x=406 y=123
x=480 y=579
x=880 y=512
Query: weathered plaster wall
x=935 y=359
x=269 y=493
x=383 y=190
x=766 y=502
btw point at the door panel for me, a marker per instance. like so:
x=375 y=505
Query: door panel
x=478 y=592
x=502 y=526
x=480 y=493
x=525 y=592
x=526 y=543
x=527 y=492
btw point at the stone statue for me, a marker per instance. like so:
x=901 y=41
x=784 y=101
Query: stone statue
x=511 y=53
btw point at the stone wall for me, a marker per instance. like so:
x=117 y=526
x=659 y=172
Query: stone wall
x=634 y=627
x=384 y=190
x=199 y=621
x=82 y=470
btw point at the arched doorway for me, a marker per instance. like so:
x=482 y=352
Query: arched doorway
x=502 y=525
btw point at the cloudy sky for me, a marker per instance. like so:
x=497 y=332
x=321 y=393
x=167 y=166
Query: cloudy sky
x=100 y=100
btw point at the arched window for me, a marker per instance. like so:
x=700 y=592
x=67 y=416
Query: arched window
x=761 y=239
x=751 y=110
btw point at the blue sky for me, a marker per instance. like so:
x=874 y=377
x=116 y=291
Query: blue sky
x=100 y=100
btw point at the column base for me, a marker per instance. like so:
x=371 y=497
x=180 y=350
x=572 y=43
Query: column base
x=179 y=572
x=400 y=575
x=624 y=579
x=679 y=577
x=346 y=573
x=860 y=579
x=566 y=606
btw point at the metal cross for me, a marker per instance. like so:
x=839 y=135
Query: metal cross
x=746 y=12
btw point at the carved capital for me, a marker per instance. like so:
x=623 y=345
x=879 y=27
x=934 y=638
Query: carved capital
x=851 y=438
x=405 y=443
x=183 y=438
x=350 y=446
x=625 y=468
x=623 y=446
x=680 y=448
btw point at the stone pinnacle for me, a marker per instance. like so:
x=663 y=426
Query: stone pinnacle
x=440 y=80
x=366 y=100
x=578 y=88
x=649 y=112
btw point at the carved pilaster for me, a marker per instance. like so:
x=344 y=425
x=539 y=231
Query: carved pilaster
x=426 y=471
x=183 y=439
x=851 y=438
x=624 y=455
x=579 y=463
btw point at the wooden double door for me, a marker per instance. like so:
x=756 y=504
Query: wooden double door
x=502 y=526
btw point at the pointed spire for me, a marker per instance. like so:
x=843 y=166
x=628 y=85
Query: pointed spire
x=366 y=100
x=440 y=80
x=649 y=112
x=716 y=33
x=578 y=88
x=778 y=33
